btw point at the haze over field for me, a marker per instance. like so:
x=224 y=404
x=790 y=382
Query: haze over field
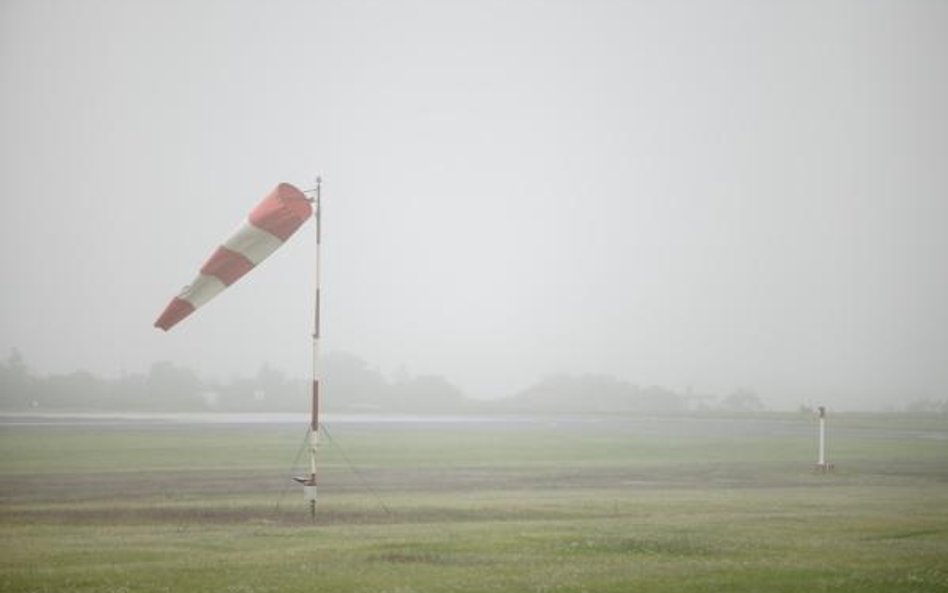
x=702 y=195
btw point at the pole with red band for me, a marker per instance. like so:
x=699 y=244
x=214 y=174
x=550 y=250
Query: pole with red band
x=309 y=485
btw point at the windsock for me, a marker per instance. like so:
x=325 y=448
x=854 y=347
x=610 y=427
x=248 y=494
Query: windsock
x=267 y=227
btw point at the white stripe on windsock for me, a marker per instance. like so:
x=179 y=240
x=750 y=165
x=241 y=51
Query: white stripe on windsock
x=253 y=243
x=203 y=289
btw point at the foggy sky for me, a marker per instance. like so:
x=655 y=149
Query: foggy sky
x=703 y=195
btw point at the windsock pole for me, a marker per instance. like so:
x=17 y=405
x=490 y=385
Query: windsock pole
x=309 y=485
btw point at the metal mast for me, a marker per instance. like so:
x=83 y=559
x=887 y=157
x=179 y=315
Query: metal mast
x=309 y=482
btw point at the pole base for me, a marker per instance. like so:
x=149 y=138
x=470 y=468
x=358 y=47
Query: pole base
x=823 y=468
x=309 y=487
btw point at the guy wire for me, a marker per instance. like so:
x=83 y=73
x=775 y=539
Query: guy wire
x=365 y=482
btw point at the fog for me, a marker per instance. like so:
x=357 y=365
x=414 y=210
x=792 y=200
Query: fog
x=701 y=195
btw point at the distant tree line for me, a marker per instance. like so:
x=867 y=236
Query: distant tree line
x=349 y=384
x=928 y=406
x=170 y=387
x=591 y=393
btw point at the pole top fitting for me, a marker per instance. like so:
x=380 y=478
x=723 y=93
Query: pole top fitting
x=314 y=190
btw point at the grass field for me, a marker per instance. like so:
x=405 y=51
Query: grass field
x=608 y=504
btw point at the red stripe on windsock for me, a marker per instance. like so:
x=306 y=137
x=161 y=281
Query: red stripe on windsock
x=282 y=211
x=176 y=310
x=226 y=265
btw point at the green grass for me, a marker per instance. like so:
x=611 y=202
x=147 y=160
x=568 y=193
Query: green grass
x=544 y=507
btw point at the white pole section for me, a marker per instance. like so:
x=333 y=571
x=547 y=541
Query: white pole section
x=822 y=459
x=309 y=487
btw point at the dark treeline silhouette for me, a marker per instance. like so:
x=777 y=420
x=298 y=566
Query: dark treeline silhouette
x=349 y=384
x=169 y=387
x=597 y=393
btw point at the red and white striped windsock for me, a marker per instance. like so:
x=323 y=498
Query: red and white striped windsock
x=268 y=226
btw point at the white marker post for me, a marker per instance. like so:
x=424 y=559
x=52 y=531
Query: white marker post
x=821 y=465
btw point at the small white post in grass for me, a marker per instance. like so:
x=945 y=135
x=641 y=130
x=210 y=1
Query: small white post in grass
x=821 y=465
